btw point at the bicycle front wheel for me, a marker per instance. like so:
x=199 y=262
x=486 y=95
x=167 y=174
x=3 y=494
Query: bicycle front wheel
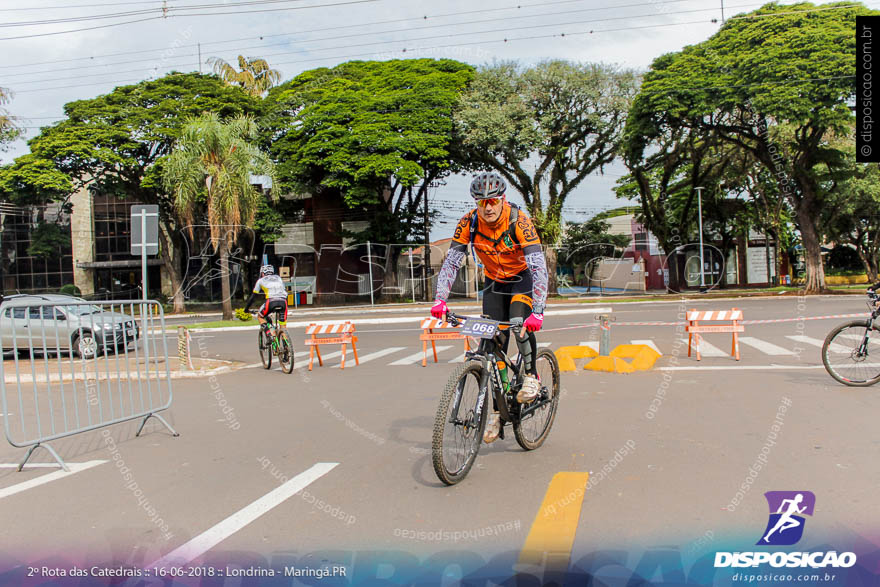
x=285 y=352
x=851 y=356
x=536 y=419
x=265 y=347
x=459 y=424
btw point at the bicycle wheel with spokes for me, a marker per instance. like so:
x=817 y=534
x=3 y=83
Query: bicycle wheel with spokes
x=285 y=352
x=459 y=424
x=265 y=348
x=536 y=418
x=851 y=356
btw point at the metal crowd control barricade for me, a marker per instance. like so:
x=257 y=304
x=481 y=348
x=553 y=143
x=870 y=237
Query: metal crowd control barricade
x=78 y=366
x=428 y=335
x=345 y=332
x=695 y=328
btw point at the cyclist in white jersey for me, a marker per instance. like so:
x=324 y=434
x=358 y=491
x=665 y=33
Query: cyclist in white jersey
x=273 y=288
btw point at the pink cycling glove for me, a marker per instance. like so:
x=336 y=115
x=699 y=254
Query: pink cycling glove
x=533 y=322
x=439 y=309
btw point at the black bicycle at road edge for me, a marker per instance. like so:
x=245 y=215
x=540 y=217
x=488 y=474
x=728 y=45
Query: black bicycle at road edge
x=463 y=410
x=849 y=348
x=274 y=340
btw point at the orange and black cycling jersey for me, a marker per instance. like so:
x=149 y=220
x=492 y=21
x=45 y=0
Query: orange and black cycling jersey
x=502 y=256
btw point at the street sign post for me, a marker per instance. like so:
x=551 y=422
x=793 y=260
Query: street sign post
x=144 y=237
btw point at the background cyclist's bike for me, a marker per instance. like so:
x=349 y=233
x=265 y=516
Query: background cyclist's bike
x=273 y=340
x=851 y=352
x=463 y=410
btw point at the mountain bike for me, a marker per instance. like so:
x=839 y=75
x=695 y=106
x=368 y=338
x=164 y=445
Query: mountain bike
x=850 y=354
x=273 y=340
x=489 y=375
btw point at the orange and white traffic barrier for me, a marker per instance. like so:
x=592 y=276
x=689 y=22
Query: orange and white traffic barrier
x=428 y=335
x=345 y=332
x=694 y=327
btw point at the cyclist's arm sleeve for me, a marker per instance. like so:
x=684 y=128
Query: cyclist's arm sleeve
x=250 y=301
x=875 y=287
x=537 y=264
x=540 y=277
x=451 y=265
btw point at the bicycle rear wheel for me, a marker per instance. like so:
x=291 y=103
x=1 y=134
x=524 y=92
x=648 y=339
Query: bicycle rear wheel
x=459 y=424
x=285 y=352
x=533 y=426
x=265 y=348
x=849 y=358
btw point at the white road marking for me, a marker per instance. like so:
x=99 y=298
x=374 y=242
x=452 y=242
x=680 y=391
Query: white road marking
x=392 y=320
x=324 y=357
x=376 y=355
x=42 y=480
x=223 y=530
x=417 y=357
x=649 y=343
x=706 y=349
x=590 y=343
x=766 y=347
x=755 y=367
x=818 y=343
x=296 y=355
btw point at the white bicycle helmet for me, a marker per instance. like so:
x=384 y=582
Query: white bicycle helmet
x=488 y=185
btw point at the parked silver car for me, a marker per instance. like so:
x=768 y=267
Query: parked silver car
x=68 y=323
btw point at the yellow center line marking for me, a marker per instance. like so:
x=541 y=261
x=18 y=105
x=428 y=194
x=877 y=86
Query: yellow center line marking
x=556 y=523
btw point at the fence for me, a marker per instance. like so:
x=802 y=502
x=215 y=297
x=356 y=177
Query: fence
x=78 y=366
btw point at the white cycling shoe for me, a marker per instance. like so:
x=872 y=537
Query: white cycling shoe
x=493 y=428
x=530 y=389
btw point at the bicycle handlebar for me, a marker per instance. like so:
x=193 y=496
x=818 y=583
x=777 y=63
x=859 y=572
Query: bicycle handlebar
x=456 y=319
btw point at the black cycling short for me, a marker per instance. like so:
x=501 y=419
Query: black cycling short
x=503 y=300
x=272 y=305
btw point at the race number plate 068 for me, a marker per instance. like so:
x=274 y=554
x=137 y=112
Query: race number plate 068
x=480 y=327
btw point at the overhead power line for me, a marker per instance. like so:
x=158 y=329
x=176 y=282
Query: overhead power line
x=323 y=30
x=374 y=34
x=163 y=16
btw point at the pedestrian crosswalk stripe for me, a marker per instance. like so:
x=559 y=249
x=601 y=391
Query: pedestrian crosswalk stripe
x=649 y=343
x=416 y=357
x=324 y=358
x=376 y=355
x=818 y=343
x=590 y=343
x=706 y=349
x=766 y=347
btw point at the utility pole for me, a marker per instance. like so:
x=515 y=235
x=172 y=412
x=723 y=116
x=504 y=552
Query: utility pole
x=702 y=263
x=722 y=12
x=427 y=255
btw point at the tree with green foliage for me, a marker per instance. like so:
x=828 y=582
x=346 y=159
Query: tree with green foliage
x=114 y=144
x=253 y=75
x=777 y=82
x=663 y=177
x=546 y=127
x=584 y=242
x=376 y=132
x=209 y=173
x=853 y=215
x=49 y=239
x=9 y=130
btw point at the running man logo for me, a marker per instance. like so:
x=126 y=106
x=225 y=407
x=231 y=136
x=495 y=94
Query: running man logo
x=786 y=524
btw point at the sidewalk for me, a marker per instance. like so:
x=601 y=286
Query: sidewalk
x=111 y=369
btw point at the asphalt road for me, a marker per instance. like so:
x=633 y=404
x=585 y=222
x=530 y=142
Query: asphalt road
x=667 y=452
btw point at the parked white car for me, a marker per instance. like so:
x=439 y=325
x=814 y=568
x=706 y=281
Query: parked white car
x=68 y=323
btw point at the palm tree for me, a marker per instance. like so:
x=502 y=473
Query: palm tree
x=256 y=77
x=210 y=170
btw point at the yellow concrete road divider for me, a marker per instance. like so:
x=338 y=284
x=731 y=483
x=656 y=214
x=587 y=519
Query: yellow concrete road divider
x=642 y=357
x=566 y=356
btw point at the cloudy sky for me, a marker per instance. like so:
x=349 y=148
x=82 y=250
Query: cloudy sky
x=129 y=41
